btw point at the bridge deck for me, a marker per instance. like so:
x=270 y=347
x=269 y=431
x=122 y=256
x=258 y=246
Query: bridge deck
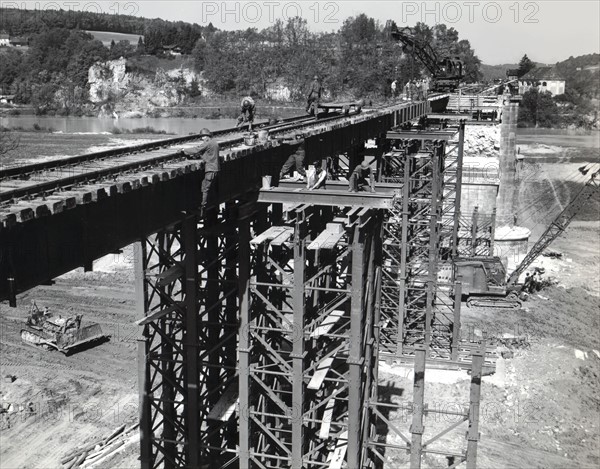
x=43 y=238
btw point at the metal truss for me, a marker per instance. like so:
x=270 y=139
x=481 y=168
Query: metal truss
x=306 y=340
x=476 y=234
x=418 y=289
x=186 y=279
x=264 y=325
x=425 y=440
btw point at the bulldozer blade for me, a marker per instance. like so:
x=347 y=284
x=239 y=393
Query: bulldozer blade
x=84 y=335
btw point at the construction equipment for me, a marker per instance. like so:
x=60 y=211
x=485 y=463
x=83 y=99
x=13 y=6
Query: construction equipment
x=63 y=334
x=447 y=72
x=484 y=278
x=483 y=282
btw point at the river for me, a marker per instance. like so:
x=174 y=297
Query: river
x=95 y=125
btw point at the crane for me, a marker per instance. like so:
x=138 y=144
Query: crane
x=484 y=278
x=560 y=224
x=446 y=72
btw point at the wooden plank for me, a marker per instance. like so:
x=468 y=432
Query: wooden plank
x=169 y=276
x=327 y=417
x=328 y=239
x=319 y=241
x=69 y=202
x=336 y=458
x=327 y=323
x=9 y=219
x=98 y=192
x=225 y=406
x=23 y=214
x=158 y=314
x=322 y=369
x=332 y=241
x=39 y=208
x=283 y=237
x=82 y=196
x=270 y=233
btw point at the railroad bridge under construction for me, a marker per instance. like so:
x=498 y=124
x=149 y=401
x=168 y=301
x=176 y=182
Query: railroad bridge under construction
x=264 y=323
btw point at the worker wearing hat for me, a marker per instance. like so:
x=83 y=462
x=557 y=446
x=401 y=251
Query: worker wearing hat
x=358 y=178
x=247 y=112
x=314 y=94
x=296 y=159
x=207 y=151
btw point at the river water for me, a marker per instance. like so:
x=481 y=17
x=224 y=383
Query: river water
x=95 y=125
x=575 y=145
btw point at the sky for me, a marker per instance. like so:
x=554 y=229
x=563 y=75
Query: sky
x=499 y=31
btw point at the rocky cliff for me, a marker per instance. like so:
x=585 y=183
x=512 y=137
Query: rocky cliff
x=114 y=89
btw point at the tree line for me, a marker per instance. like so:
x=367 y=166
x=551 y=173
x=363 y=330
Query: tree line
x=359 y=60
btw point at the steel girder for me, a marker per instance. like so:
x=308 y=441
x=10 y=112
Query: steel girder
x=308 y=334
x=420 y=238
x=187 y=275
x=476 y=234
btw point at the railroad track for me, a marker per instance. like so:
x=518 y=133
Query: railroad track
x=21 y=184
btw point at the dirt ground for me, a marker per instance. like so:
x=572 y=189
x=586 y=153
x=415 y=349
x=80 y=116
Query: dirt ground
x=539 y=410
x=77 y=398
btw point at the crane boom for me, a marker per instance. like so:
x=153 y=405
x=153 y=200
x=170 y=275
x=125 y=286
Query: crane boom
x=559 y=225
x=447 y=72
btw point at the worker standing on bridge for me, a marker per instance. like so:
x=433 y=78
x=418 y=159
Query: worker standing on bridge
x=247 y=112
x=412 y=90
x=394 y=89
x=419 y=87
x=358 y=178
x=207 y=151
x=296 y=159
x=314 y=95
x=406 y=90
x=425 y=87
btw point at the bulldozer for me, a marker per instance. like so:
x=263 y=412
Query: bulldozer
x=55 y=332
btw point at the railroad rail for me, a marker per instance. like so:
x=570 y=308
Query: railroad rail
x=52 y=223
x=44 y=178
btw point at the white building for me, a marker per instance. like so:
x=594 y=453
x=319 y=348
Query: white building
x=545 y=79
x=4 y=40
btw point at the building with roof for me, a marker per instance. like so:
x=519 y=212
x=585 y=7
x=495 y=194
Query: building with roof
x=543 y=78
x=19 y=41
x=512 y=73
x=4 y=39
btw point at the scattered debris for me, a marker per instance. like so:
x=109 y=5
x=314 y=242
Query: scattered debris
x=92 y=454
x=552 y=254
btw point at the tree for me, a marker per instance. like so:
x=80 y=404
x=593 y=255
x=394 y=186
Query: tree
x=199 y=54
x=141 y=47
x=525 y=65
x=538 y=109
x=8 y=142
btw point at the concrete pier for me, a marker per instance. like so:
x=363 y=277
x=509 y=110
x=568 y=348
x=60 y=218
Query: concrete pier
x=511 y=240
x=506 y=206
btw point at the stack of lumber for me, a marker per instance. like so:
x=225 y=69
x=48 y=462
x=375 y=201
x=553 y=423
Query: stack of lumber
x=97 y=452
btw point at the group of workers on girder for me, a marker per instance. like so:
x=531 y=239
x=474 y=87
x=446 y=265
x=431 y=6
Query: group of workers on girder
x=361 y=178
x=414 y=90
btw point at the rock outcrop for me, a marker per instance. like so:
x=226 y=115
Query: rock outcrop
x=116 y=91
